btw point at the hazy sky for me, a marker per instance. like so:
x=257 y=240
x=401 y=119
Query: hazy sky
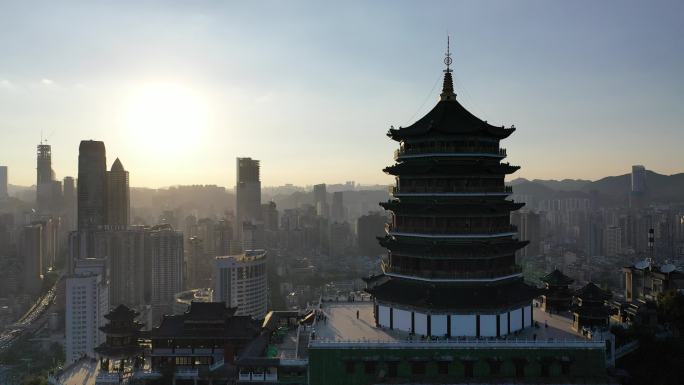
x=177 y=90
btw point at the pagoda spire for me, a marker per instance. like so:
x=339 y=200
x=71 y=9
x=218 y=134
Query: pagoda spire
x=448 y=93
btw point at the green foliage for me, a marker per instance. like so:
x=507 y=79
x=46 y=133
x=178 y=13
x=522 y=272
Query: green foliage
x=34 y=380
x=671 y=309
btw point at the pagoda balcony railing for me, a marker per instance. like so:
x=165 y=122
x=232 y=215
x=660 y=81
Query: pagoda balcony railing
x=450 y=229
x=444 y=150
x=394 y=190
x=446 y=274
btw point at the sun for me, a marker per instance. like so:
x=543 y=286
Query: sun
x=166 y=117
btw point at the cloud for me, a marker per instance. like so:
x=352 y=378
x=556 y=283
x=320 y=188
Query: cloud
x=47 y=82
x=6 y=84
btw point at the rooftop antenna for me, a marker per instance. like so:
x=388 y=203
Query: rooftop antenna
x=447 y=58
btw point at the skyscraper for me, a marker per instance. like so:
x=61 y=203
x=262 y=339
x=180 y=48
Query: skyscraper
x=320 y=194
x=118 y=196
x=69 y=188
x=166 y=268
x=92 y=179
x=47 y=190
x=3 y=182
x=337 y=212
x=247 y=193
x=32 y=255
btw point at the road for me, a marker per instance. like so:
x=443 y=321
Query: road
x=30 y=321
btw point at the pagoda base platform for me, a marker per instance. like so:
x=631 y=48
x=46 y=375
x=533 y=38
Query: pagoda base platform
x=452 y=310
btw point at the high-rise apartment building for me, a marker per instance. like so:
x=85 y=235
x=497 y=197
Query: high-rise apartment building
x=368 y=228
x=92 y=179
x=529 y=228
x=31 y=253
x=48 y=191
x=166 y=263
x=320 y=194
x=337 y=212
x=69 y=188
x=241 y=282
x=3 y=182
x=118 y=196
x=126 y=253
x=87 y=301
x=247 y=193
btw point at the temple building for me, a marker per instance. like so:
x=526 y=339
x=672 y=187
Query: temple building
x=451 y=268
x=590 y=309
x=557 y=296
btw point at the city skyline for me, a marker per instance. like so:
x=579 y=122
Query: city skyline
x=318 y=86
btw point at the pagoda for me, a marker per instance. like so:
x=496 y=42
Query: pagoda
x=451 y=269
x=557 y=296
x=590 y=310
x=121 y=344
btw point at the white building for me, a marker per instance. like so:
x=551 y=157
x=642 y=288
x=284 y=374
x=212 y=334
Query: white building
x=241 y=282
x=87 y=301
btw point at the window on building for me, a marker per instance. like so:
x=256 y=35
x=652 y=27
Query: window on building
x=392 y=369
x=418 y=368
x=468 y=367
x=369 y=368
x=495 y=367
x=443 y=367
x=519 y=368
x=565 y=368
x=349 y=367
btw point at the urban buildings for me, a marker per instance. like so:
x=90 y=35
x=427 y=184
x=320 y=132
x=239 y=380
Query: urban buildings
x=247 y=193
x=87 y=302
x=31 y=253
x=92 y=188
x=337 y=212
x=369 y=227
x=320 y=194
x=166 y=264
x=3 y=182
x=242 y=283
x=118 y=196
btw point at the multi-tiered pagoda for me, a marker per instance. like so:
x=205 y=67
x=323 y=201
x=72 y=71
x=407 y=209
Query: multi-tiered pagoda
x=451 y=267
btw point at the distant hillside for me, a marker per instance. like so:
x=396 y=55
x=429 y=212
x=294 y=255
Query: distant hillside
x=610 y=191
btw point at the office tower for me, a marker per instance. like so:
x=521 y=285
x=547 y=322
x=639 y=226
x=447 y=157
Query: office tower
x=166 y=263
x=320 y=194
x=87 y=301
x=450 y=239
x=337 y=211
x=3 y=182
x=92 y=179
x=125 y=251
x=199 y=264
x=247 y=193
x=69 y=188
x=31 y=253
x=118 y=196
x=368 y=228
x=241 y=282
x=48 y=191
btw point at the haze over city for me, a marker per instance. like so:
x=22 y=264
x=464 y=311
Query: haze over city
x=177 y=89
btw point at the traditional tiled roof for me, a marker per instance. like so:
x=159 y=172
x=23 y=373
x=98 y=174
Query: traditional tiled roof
x=448 y=167
x=591 y=292
x=450 y=296
x=556 y=277
x=463 y=207
x=121 y=313
x=208 y=319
